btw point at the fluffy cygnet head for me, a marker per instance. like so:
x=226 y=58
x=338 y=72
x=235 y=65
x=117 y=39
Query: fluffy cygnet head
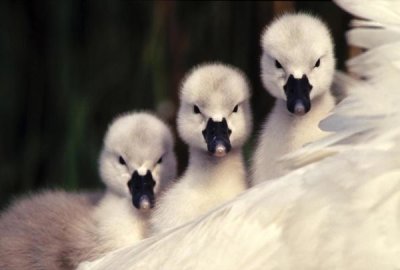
x=214 y=113
x=138 y=160
x=297 y=62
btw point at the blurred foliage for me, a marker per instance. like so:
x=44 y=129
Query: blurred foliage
x=69 y=67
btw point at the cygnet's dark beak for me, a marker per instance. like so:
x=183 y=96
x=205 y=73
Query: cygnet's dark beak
x=298 y=95
x=142 y=190
x=216 y=135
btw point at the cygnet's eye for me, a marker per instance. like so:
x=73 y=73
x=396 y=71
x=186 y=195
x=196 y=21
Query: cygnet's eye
x=121 y=160
x=196 y=109
x=160 y=160
x=236 y=108
x=317 y=63
x=277 y=64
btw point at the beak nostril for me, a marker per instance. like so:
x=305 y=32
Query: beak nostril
x=307 y=82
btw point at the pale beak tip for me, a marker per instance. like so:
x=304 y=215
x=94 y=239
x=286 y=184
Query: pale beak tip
x=220 y=151
x=299 y=109
x=144 y=203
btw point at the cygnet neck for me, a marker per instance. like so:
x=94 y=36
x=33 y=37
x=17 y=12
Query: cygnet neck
x=119 y=223
x=199 y=157
x=210 y=168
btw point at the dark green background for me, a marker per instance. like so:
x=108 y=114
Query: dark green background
x=69 y=66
